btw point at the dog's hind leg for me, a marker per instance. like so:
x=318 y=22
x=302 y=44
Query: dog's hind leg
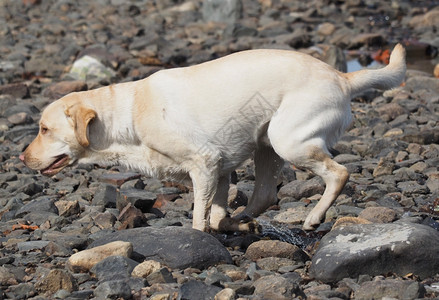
x=267 y=168
x=333 y=174
x=335 y=177
x=309 y=152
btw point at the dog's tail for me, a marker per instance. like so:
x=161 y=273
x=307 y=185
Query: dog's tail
x=385 y=78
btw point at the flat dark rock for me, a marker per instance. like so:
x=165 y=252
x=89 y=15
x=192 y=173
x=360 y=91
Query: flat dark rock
x=176 y=247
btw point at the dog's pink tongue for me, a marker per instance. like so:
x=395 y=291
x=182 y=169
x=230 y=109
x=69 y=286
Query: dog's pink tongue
x=46 y=172
x=49 y=171
x=54 y=167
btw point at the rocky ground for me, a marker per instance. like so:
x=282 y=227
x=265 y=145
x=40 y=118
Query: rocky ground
x=385 y=240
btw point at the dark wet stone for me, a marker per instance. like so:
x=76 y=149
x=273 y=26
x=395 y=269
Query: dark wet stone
x=113 y=289
x=197 y=290
x=113 y=268
x=140 y=199
x=69 y=240
x=41 y=204
x=40 y=217
x=105 y=195
x=184 y=247
x=32 y=245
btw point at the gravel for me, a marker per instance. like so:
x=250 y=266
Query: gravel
x=51 y=48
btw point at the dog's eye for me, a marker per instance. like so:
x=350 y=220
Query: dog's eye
x=43 y=129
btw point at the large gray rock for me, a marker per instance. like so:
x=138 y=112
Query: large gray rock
x=375 y=249
x=176 y=247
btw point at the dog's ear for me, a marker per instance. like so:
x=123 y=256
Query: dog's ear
x=81 y=116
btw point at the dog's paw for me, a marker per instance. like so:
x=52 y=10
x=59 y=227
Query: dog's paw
x=244 y=224
x=311 y=223
x=247 y=223
x=243 y=218
x=250 y=226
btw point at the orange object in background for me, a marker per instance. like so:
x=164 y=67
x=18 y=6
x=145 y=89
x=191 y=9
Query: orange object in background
x=24 y=226
x=382 y=56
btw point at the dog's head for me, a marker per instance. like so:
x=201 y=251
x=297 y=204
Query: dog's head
x=62 y=138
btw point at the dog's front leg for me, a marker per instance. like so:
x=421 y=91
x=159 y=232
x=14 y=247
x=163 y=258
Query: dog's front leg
x=218 y=212
x=219 y=219
x=205 y=186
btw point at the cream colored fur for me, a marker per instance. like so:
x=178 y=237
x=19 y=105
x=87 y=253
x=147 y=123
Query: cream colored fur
x=204 y=121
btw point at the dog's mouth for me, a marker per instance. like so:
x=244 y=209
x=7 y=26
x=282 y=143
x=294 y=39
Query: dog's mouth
x=60 y=163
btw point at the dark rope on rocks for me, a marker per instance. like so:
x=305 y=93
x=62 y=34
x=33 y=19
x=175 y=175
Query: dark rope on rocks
x=284 y=234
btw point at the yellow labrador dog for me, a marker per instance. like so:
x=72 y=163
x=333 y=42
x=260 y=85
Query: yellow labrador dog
x=205 y=120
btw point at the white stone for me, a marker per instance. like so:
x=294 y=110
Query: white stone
x=83 y=261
